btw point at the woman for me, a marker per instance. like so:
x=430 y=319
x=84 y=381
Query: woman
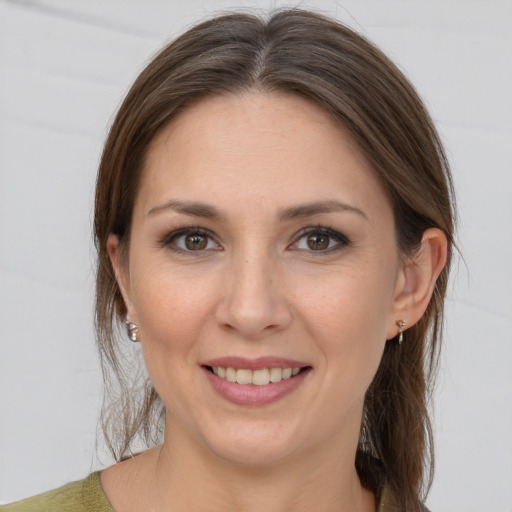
x=274 y=225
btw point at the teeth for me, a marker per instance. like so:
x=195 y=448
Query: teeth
x=230 y=374
x=276 y=374
x=243 y=377
x=260 y=377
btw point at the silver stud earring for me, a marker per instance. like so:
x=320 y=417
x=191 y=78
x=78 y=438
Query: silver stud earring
x=132 y=330
x=400 y=324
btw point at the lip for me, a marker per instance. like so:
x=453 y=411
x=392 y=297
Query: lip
x=251 y=395
x=255 y=364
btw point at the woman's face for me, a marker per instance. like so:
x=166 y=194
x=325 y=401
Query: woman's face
x=262 y=245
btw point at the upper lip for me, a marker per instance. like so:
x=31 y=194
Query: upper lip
x=255 y=364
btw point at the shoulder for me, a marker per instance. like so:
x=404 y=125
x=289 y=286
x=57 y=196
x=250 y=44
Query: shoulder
x=81 y=496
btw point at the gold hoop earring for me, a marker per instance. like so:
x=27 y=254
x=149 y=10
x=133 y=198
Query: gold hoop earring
x=400 y=324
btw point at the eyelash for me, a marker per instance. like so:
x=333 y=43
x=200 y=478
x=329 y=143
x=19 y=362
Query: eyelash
x=170 y=239
x=340 y=239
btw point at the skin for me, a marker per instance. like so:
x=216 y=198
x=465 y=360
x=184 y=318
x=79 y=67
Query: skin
x=258 y=289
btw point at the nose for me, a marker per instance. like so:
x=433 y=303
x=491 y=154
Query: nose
x=253 y=300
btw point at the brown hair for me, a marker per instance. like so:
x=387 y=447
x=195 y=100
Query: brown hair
x=302 y=53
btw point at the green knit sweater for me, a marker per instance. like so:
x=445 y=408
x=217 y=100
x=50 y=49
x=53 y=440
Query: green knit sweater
x=82 y=496
x=85 y=496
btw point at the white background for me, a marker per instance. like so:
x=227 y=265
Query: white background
x=64 y=67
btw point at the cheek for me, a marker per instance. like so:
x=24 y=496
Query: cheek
x=173 y=314
x=170 y=306
x=350 y=304
x=348 y=317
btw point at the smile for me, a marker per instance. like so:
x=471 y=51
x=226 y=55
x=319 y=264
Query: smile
x=255 y=382
x=259 y=377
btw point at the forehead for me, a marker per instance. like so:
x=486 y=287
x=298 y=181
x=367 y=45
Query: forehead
x=270 y=148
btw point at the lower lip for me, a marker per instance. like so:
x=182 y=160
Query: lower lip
x=249 y=394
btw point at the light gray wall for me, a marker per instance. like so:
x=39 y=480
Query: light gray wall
x=64 y=67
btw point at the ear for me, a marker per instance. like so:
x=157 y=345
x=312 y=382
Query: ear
x=121 y=271
x=416 y=280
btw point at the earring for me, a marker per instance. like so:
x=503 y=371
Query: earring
x=132 y=330
x=400 y=324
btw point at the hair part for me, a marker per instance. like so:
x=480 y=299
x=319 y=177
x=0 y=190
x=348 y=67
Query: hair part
x=306 y=54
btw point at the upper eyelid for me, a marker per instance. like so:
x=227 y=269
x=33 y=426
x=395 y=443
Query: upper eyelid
x=341 y=241
x=172 y=235
x=321 y=229
x=191 y=230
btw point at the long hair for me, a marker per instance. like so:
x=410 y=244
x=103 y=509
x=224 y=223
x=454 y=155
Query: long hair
x=306 y=54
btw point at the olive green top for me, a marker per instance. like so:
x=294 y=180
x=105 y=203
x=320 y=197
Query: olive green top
x=82 y=496
x=86 y=496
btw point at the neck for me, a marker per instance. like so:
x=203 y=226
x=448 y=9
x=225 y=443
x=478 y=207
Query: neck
x=187 y=476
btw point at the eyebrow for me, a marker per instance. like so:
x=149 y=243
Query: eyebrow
x=193 y=208
x=317 y=208
x=198 y=209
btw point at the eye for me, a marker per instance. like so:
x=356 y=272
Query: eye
x=319 y=239
x=190 y=240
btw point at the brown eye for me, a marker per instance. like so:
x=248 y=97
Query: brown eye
x=318 y=242
x=196 y=242
x=190 y=240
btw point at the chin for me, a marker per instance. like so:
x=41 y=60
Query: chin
x=276 y=444
x=251 y=443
